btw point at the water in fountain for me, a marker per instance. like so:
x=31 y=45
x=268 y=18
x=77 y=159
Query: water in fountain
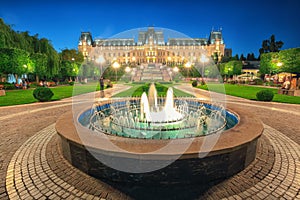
x=153 y=113
x=152 y=98
x=151 y=117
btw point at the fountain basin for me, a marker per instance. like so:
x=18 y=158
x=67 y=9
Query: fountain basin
x=233 y=151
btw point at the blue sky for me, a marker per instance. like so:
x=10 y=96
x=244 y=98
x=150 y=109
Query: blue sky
x=245 y=24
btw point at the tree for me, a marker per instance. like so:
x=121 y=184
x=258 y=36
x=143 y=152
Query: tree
x=40 y=65
x=72 y=54
x=284 y=61
x=231 y=68
x=31 y=44
x=242 y=58
x=290 y=59
x=270 y=45
x=251 y=57
x=13 y=61
x=268 y=63
x=71 y=62
x=236 y=57
x=53 y=66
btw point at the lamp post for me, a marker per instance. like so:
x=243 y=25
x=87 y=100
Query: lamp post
x=116 y=65
x=100 y=61
x=175 y=70
x=73 y=70
x=188 y=66
x=279 y=64
x=127 y=70
x=169 y=60
x=182 y=60
x=203 y=60
x=133 y=60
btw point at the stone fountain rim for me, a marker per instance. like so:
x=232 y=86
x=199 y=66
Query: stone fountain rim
x=247 y=130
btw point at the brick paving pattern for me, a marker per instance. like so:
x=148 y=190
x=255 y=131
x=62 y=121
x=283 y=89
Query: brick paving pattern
x=34 y=173
x=32 y=166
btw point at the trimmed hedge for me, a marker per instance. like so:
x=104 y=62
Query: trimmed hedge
x=43 y=94
x=265 y=95
x=195 y=83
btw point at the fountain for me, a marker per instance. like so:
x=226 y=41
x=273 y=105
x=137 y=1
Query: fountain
x=159 y=118
x=153 y=140
x=150 y=109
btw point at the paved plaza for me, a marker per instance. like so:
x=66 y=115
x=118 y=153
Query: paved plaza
x=32 y=166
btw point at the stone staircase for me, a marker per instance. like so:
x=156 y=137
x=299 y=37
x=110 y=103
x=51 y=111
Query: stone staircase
x=150 y=72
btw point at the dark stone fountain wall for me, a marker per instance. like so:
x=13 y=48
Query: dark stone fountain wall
x=234 y=150
x=192 y=170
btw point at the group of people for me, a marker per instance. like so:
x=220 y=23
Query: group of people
x=286 y=85
x=24 y=84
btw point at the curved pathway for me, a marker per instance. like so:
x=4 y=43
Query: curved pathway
x=32 y=166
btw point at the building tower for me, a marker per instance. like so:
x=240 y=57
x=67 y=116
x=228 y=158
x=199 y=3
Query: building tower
x=85 y=44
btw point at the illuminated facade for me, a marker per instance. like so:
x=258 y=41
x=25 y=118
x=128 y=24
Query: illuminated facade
x=151 y=47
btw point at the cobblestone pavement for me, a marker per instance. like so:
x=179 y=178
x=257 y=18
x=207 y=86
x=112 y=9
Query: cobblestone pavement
x=32 y=166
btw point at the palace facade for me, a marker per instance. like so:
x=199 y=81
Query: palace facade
x=151 y=47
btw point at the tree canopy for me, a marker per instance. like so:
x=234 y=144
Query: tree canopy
x=284 y=61
x=270 y=45
x=19 y=49
x=231 y=68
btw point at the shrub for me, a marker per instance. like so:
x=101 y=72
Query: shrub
x=8 y=86
x=258 y=82
x=195 y=83
x=264 y=95
x=42 y=94
x=65 y=82
x=71 y=83
x=34 y=85
x=109 y=85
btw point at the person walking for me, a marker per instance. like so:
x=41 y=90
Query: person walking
x=101 y=87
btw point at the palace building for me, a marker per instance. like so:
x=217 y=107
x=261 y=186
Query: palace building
x=151 y=47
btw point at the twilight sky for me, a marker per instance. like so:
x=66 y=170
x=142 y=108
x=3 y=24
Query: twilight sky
x=245 y=24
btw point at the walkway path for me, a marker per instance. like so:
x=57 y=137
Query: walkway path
x=281 y=116
x=31 y=165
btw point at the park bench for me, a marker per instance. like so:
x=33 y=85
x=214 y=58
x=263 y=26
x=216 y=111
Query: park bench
x=51 y=84
x=288 y=92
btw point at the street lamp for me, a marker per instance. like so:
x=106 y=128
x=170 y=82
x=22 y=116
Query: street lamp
x=127 y=69
x=73 y=59
x=182 y=60
x=279 y=64
x=133 y=60
x=100 y=61
x=175 y=70
x=169 y=60
x=116 y=65
x=188 y=66
x=203 y=59
x=229 y=71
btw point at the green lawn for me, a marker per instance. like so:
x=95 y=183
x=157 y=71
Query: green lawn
x=16 y=97
x=249 y=92
x=136 y=91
